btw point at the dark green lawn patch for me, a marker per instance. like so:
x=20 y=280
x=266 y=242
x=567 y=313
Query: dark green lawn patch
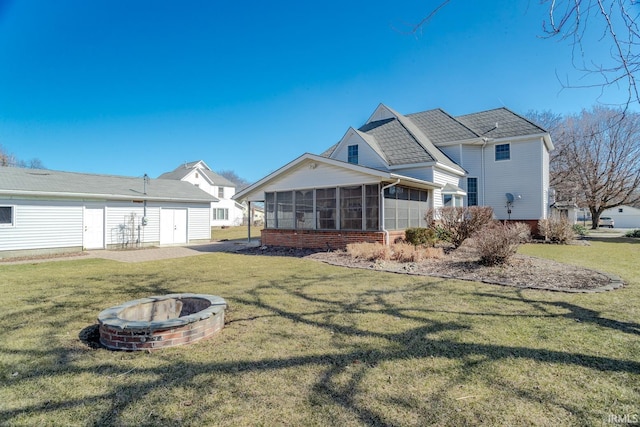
x=311 y=344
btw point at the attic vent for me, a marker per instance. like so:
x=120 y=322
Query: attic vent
x=39 y=173
x=197 y=175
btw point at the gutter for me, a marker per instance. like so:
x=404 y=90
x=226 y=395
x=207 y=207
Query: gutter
x=386 y=232
x=96 y=196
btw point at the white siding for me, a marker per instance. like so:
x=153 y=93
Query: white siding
x=198 y=223
x=42 y=225
x=51 y=224
x=321 y=176
x=121 y=230
x=472 y=163
x=367 y=156
x=628 y=218
x=424 y=173
x=454 y=152
x=235 y=214
x=521 y=175
x=442 y=178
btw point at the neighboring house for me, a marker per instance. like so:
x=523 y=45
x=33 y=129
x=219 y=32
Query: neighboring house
x=380 y=179
x=44 y=211
x=568 y=210
x=624 y=216
x=224 y=210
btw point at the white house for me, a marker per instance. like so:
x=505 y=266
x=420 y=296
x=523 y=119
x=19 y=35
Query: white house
x=44 y=211
x=224 y=210
x=380 y=179
x=624 y=216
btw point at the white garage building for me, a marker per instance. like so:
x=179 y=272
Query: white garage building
x=44 y=211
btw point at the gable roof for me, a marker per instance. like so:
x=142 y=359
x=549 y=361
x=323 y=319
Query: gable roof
x=313 y=159
x=183 y=170
x=42 y=182
x=396 y=142
x=414 y=138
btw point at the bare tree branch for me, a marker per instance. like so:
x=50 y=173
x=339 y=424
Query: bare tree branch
x=577 y=21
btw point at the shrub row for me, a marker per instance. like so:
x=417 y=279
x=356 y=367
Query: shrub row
x=401 y=252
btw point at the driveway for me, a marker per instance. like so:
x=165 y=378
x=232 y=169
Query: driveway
x=147 y=254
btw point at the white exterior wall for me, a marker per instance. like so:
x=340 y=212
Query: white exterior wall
x=198 y=227
x=367 y=156
x=118 y=216
x=521 y=175
x=42 y=224
x=235 y=214
x=454 y=152
x=471 y=156
x=322 y=176
x=443 y=178
x=57 y=224
x=197 y=178
x=423 y=172
x=545 y=182
x=628 y=218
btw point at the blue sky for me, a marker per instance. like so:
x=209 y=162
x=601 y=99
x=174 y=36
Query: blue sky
x=133 y=87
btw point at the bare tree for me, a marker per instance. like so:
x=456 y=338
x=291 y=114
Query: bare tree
x=7 y=159
x=240 y=183
x=566 y=190
x=598 y=159
x=614 y=22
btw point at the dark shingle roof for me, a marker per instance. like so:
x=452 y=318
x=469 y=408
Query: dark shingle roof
x=509 y=124
x=395 y=141
x=40 y=181
x=440 y=127
x=414 y=138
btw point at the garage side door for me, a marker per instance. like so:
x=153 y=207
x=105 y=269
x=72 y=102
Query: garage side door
x=93 y=228
x=173 y=226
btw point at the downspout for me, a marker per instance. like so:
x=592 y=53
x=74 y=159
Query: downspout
x=386 y=232
x=484 y=144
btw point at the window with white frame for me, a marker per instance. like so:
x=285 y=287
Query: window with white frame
x=220 y=192
x=220 y=214
x=6 y=216
x=472 y=191
x=352 y=154
x=503 y=152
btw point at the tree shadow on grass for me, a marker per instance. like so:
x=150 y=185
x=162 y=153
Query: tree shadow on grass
x=427 y=339
x=574 y=312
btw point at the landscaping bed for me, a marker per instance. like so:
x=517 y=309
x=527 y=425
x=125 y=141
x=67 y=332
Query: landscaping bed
x=520 y=271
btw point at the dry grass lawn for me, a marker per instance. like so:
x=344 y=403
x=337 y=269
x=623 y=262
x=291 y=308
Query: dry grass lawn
x=312 y=344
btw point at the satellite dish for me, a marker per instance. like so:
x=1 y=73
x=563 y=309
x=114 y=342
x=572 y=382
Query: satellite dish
x=510 y=197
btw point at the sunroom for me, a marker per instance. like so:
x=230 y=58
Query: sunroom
x=316 y=202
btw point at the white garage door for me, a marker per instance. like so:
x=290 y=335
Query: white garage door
x=173 y=226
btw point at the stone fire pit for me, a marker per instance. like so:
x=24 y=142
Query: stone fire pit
x=161 y=321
